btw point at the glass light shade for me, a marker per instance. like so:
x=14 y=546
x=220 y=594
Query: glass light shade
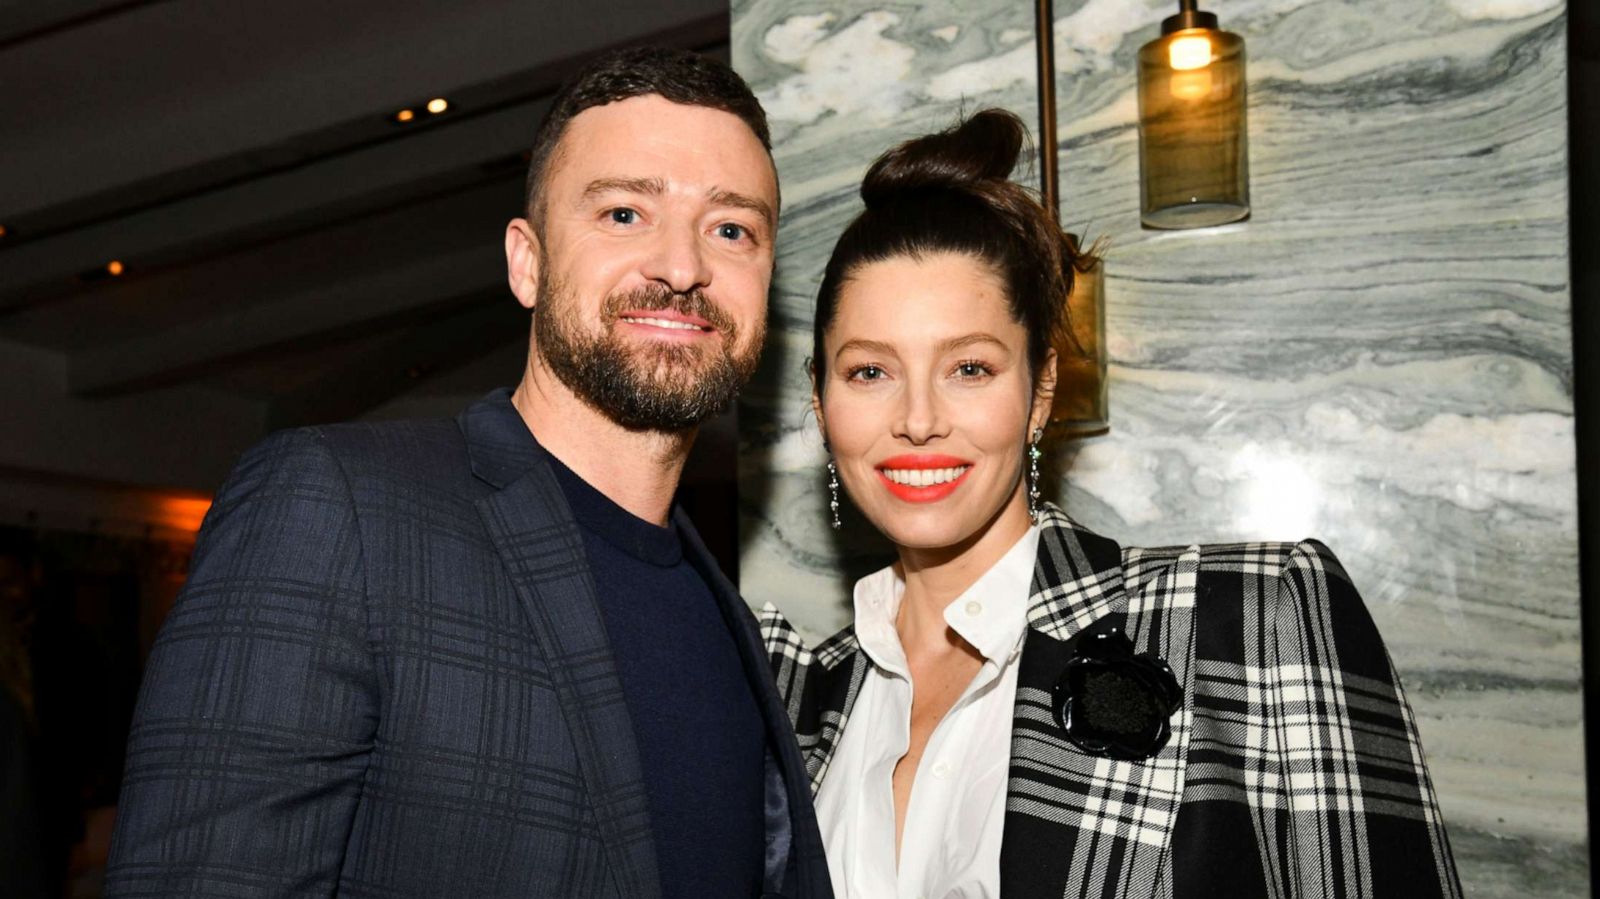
x=1079 y=408
x=1193 y=145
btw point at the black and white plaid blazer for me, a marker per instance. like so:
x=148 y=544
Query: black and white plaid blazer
x=1293 y=770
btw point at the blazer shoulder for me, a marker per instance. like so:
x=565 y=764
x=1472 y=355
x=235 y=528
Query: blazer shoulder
x=784 y=643
x=384 y=455
x=1280 y=562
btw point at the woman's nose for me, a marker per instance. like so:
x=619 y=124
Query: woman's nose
x=919 y=417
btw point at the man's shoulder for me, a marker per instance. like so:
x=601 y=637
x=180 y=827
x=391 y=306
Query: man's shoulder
x=369 y=455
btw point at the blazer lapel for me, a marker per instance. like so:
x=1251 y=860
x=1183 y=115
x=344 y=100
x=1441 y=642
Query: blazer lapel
x=790 y=820
x=538 y=541
x=836 y=677
x=1077 y=824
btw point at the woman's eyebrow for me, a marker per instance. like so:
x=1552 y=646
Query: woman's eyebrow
x=886 y=349
x=956 y=343
x=867 y=346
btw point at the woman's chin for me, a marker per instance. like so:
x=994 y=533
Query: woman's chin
x=925 y=528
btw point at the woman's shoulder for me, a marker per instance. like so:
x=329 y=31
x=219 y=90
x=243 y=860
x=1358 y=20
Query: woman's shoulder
x=1270 y=572
x=784 y=641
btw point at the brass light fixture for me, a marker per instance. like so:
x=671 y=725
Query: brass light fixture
x=1193 y=143
x=1080 y=408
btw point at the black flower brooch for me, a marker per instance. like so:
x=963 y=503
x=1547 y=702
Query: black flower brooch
x=1115 y=704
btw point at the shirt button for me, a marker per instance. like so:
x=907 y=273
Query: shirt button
x=974 y=608
x=941 y=770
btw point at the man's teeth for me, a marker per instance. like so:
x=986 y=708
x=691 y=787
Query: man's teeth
x=662 y=323
x=924 y=477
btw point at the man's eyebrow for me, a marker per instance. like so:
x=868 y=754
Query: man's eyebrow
x=624 y=185
x=742 y=201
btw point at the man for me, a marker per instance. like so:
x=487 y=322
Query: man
x=486 y=657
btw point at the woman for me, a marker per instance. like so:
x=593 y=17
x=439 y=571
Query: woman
x=1023 y=708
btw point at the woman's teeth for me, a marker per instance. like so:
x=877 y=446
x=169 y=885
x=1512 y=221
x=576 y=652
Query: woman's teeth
x=924 y=477
x=663 y=323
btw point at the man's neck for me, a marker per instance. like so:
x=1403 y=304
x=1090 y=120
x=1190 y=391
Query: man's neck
x=637 y=470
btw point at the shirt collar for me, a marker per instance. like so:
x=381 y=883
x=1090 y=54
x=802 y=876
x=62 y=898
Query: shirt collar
x=992 y=614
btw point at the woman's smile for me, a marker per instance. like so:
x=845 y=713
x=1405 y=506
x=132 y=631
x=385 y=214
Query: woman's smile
x=923 y=478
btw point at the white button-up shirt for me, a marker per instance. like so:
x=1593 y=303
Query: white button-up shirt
x=950 y=846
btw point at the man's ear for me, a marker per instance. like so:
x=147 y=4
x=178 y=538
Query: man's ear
x=522 y=261
x=1044 y=393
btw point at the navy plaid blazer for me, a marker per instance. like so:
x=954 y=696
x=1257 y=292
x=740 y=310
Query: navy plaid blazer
x=387 y=676
x=1293 y=770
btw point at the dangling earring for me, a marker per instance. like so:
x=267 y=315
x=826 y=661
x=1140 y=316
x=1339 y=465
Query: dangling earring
x=833 y=492
x=1033 y=475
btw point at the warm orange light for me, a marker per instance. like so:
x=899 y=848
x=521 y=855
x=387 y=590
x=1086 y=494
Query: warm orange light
x=114 y=268
x=1190 y=85
x=4 y=230
x=438 y=105
x=404 y=115
x=184 y=513
x=1190 y=52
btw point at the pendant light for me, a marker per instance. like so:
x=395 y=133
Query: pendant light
x=1193 y=144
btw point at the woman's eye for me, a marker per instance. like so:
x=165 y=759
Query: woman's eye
x=865 y=373
x=731 y=231
x=623 y=216
x=972 y=369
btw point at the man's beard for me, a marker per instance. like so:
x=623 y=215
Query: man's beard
x=642 y=386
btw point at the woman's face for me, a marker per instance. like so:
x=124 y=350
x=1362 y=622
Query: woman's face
x=927 y=401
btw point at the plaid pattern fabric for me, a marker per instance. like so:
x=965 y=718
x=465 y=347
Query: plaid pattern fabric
x=1293 y=769
x=387 y=676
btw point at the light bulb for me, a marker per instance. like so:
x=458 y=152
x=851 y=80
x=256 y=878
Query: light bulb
x=1190 y=52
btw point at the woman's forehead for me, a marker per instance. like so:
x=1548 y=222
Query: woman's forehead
x=935 y=298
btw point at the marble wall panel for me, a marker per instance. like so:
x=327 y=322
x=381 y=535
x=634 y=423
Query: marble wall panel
x=1380 y=357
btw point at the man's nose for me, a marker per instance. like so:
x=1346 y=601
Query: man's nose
x=678 y=259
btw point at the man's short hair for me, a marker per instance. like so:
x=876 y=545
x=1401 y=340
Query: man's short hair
x=680 y=76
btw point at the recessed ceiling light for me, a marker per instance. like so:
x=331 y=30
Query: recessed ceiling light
x=438 y=105
x=115 y=267
x=404 y=115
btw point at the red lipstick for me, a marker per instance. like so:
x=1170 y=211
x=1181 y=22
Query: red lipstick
x=922 y=462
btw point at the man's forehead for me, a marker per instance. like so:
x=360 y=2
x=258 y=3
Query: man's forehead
x=649 y=136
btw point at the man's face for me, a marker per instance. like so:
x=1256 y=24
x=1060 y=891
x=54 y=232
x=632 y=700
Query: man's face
x=654 y=260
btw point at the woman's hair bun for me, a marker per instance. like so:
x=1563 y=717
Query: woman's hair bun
x=983 y=147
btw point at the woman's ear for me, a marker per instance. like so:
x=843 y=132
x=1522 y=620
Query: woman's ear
x=1044 y=393
x=816 y=400
x=522 y=262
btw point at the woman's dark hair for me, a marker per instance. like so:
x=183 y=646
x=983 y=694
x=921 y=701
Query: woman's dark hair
x=949 y=193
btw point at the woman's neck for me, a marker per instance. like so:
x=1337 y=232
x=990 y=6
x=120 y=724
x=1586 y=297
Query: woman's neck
x=934 y=577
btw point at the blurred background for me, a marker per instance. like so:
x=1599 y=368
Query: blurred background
x=217 y=220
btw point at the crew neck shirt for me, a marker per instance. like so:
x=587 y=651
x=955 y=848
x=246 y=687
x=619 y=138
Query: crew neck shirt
x=701 y=740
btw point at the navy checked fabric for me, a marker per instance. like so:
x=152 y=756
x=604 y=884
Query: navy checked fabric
x=387 y=676
x=1293 y=772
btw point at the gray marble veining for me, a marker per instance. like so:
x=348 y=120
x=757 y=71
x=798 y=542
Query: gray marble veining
x=1379 y=357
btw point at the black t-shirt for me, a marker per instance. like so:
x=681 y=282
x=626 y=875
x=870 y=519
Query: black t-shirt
x=702 y=744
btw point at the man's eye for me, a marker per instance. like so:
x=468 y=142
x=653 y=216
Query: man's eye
x=730 y=231
x=624 y=216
